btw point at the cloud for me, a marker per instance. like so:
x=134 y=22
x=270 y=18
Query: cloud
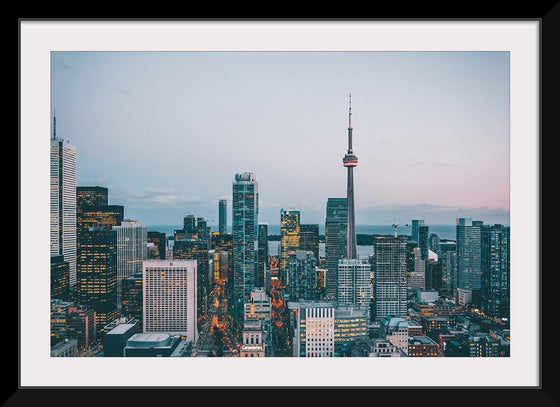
x=150 y=198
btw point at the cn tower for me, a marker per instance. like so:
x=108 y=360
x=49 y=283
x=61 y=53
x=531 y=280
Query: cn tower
x=350 y=161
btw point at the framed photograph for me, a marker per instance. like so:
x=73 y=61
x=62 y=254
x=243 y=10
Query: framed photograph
x=414 y=119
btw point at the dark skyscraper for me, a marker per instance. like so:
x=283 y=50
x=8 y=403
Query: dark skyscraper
x=262 y=257
x=495 y=285
x=97 y=273
x=416 y=223
x=309 y=239
x=60 y=272
x=91 y=196
x=423 y=241
x=335 y=241
x=222 y=216
x=159 y=239
x=350 y=161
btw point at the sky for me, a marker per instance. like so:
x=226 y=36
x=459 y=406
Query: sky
x=166 y=132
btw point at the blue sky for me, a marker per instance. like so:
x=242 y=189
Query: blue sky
x=165 y=132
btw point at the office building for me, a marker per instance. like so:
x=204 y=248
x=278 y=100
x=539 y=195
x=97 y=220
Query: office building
x=350 y=327
x=423 y=241
x=415 y=230
x=63 y=240
x=389 y=270
x=495 y=284
x=132 y=298
x=245 y=209
x=309 y=239
x=189 y=225
x=169 y=297
x=132 y=250
x=449 y=273
x=262 y=254
x=469 y=265
x=96 y=283
x=159 y=241
x=99 y=217
x=354 y=282
x=301 y=281
x=60 y=278
x=289 y=239
x=416 y=279
x=311 y=327
x=193 y=242
x=252 y=344
x=335 y=242
x=87 y=196
x=434 y=244
x=222 y=216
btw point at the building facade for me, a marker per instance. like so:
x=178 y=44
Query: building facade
x=301 y=282
x=245 y=212
x=63 y=239
x=312 y=328
x=469 y=261
x=222 y=216
x=354 y=282
x=389 y=270
x=169 y=297
x=132 y=250
x=97 y=273
x=495 y=284
x=335 y=242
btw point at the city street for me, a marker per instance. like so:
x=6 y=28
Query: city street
x=216 y=338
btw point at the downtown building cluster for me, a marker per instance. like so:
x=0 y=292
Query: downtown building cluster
x=120 y=290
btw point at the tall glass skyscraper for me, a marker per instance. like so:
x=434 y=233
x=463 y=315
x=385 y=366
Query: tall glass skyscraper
x=245 y=211
x=309 y=239
x=415 y=230
x=469 y=270
x=222 y=216
x=63 y=202
x=495 y=284
x=132 y=250
x=335 y=241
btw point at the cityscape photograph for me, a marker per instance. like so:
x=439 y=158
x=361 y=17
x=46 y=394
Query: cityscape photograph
x=280 y=204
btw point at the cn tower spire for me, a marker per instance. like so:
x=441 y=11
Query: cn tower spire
x=350 y=161
x=350 y=125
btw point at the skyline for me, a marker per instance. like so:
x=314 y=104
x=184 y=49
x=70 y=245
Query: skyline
x=431 y=130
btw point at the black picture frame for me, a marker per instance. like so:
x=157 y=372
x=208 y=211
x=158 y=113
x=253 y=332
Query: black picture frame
x=544 y=395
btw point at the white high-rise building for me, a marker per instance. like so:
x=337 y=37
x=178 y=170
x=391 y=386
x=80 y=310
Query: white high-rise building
x=169 y=297
x=390 y=286
x=312 y=325
x=63 y=203
x=354 y=282
x=132 y=249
